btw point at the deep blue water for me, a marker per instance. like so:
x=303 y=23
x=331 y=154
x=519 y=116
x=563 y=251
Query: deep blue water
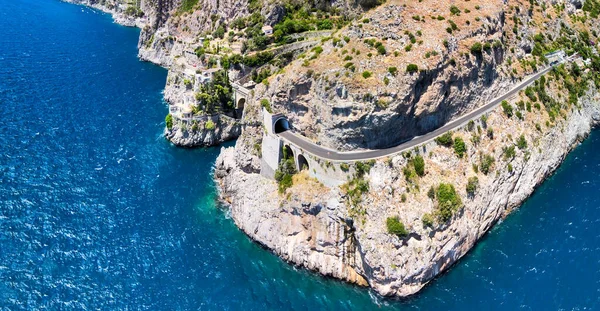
x=97 y=210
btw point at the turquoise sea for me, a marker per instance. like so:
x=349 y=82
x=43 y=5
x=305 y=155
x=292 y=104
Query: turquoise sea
x=99 y=212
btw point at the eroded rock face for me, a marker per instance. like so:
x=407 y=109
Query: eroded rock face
x=319 y=228
x=316 y=227
x=308 y=229
x=343 y=110
x=311 y=226
x=198 y=133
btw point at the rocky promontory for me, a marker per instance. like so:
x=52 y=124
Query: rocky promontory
x=371 y=75
x=398 y=222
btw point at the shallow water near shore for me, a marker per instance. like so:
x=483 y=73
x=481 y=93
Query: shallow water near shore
x=98 y=210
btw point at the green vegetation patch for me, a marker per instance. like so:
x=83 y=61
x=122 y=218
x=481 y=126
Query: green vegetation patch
x=209 y=125
x=445 y=140
x=486 y=163
x=472 y=185
x=217 y=95
x=448 y=202
x=266 y=104
x=285 y=171
x=412 y=68
x=460 y=148
x=187 y=5
x=396 y=227
x=355 y=187
x=169 y=121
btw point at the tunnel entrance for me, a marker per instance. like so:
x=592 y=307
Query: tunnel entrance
x=281 y=125
x=241 y=103
x=302 y=163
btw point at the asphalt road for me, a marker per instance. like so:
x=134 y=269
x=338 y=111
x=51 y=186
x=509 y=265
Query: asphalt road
x=361 y=155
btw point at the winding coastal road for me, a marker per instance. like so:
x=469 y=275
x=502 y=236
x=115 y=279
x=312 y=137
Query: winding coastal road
x=361 y=155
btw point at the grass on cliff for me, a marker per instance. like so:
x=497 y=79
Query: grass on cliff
x=187 y=5
x=357 y=186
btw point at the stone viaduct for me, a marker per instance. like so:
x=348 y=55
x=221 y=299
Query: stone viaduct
x=273 y=147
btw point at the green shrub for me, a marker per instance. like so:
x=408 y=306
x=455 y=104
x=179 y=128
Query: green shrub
x=519 y=115
x=522 y=142
x=344 y=167
x=187 y=5
x=459 y=147
x=508 y=153
x=411 y=68
x=445 y=140
x=427 y=220
x=393 y=71
x=284 y=183
x=431 y=193
x=472 y=185
x=448 y=201
x=381 y=50
x=471 y=125
x=476 y=48
x=419 y=165
x=486 y=163
x=367 y=74
x=403 y=197
x=454 y=10
x=169 y=121
x=266 y=104
x=284 y=173
x=219 y=32
x=209 y=125
x=396 y=227
x=134 y=11
x=507 y=108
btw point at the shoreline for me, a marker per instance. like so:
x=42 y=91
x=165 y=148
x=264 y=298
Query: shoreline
x=357 y=269
x=245 y=199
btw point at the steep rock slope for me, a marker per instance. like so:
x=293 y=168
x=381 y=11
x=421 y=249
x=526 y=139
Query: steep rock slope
x=470 y=180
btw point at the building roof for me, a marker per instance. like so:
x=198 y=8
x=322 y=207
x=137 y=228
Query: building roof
x=186 y=109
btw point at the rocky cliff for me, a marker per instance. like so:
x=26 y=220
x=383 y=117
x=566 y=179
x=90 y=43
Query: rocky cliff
x=399 y=70
x=346 y=94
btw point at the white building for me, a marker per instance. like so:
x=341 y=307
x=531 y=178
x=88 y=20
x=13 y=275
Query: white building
x=267 y=30
x=556 y=56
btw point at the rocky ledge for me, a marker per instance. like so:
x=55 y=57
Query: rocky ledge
x=212 y=131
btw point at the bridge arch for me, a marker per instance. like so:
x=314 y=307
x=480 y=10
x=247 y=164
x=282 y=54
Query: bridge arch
x=280 y=125
x=302 y=163
x=287 y=152
x=241 y=102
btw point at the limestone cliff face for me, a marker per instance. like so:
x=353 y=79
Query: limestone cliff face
x=199 y=133
x=311 y=225
x=329 y=99
x=348 y=93
x=167 y=38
